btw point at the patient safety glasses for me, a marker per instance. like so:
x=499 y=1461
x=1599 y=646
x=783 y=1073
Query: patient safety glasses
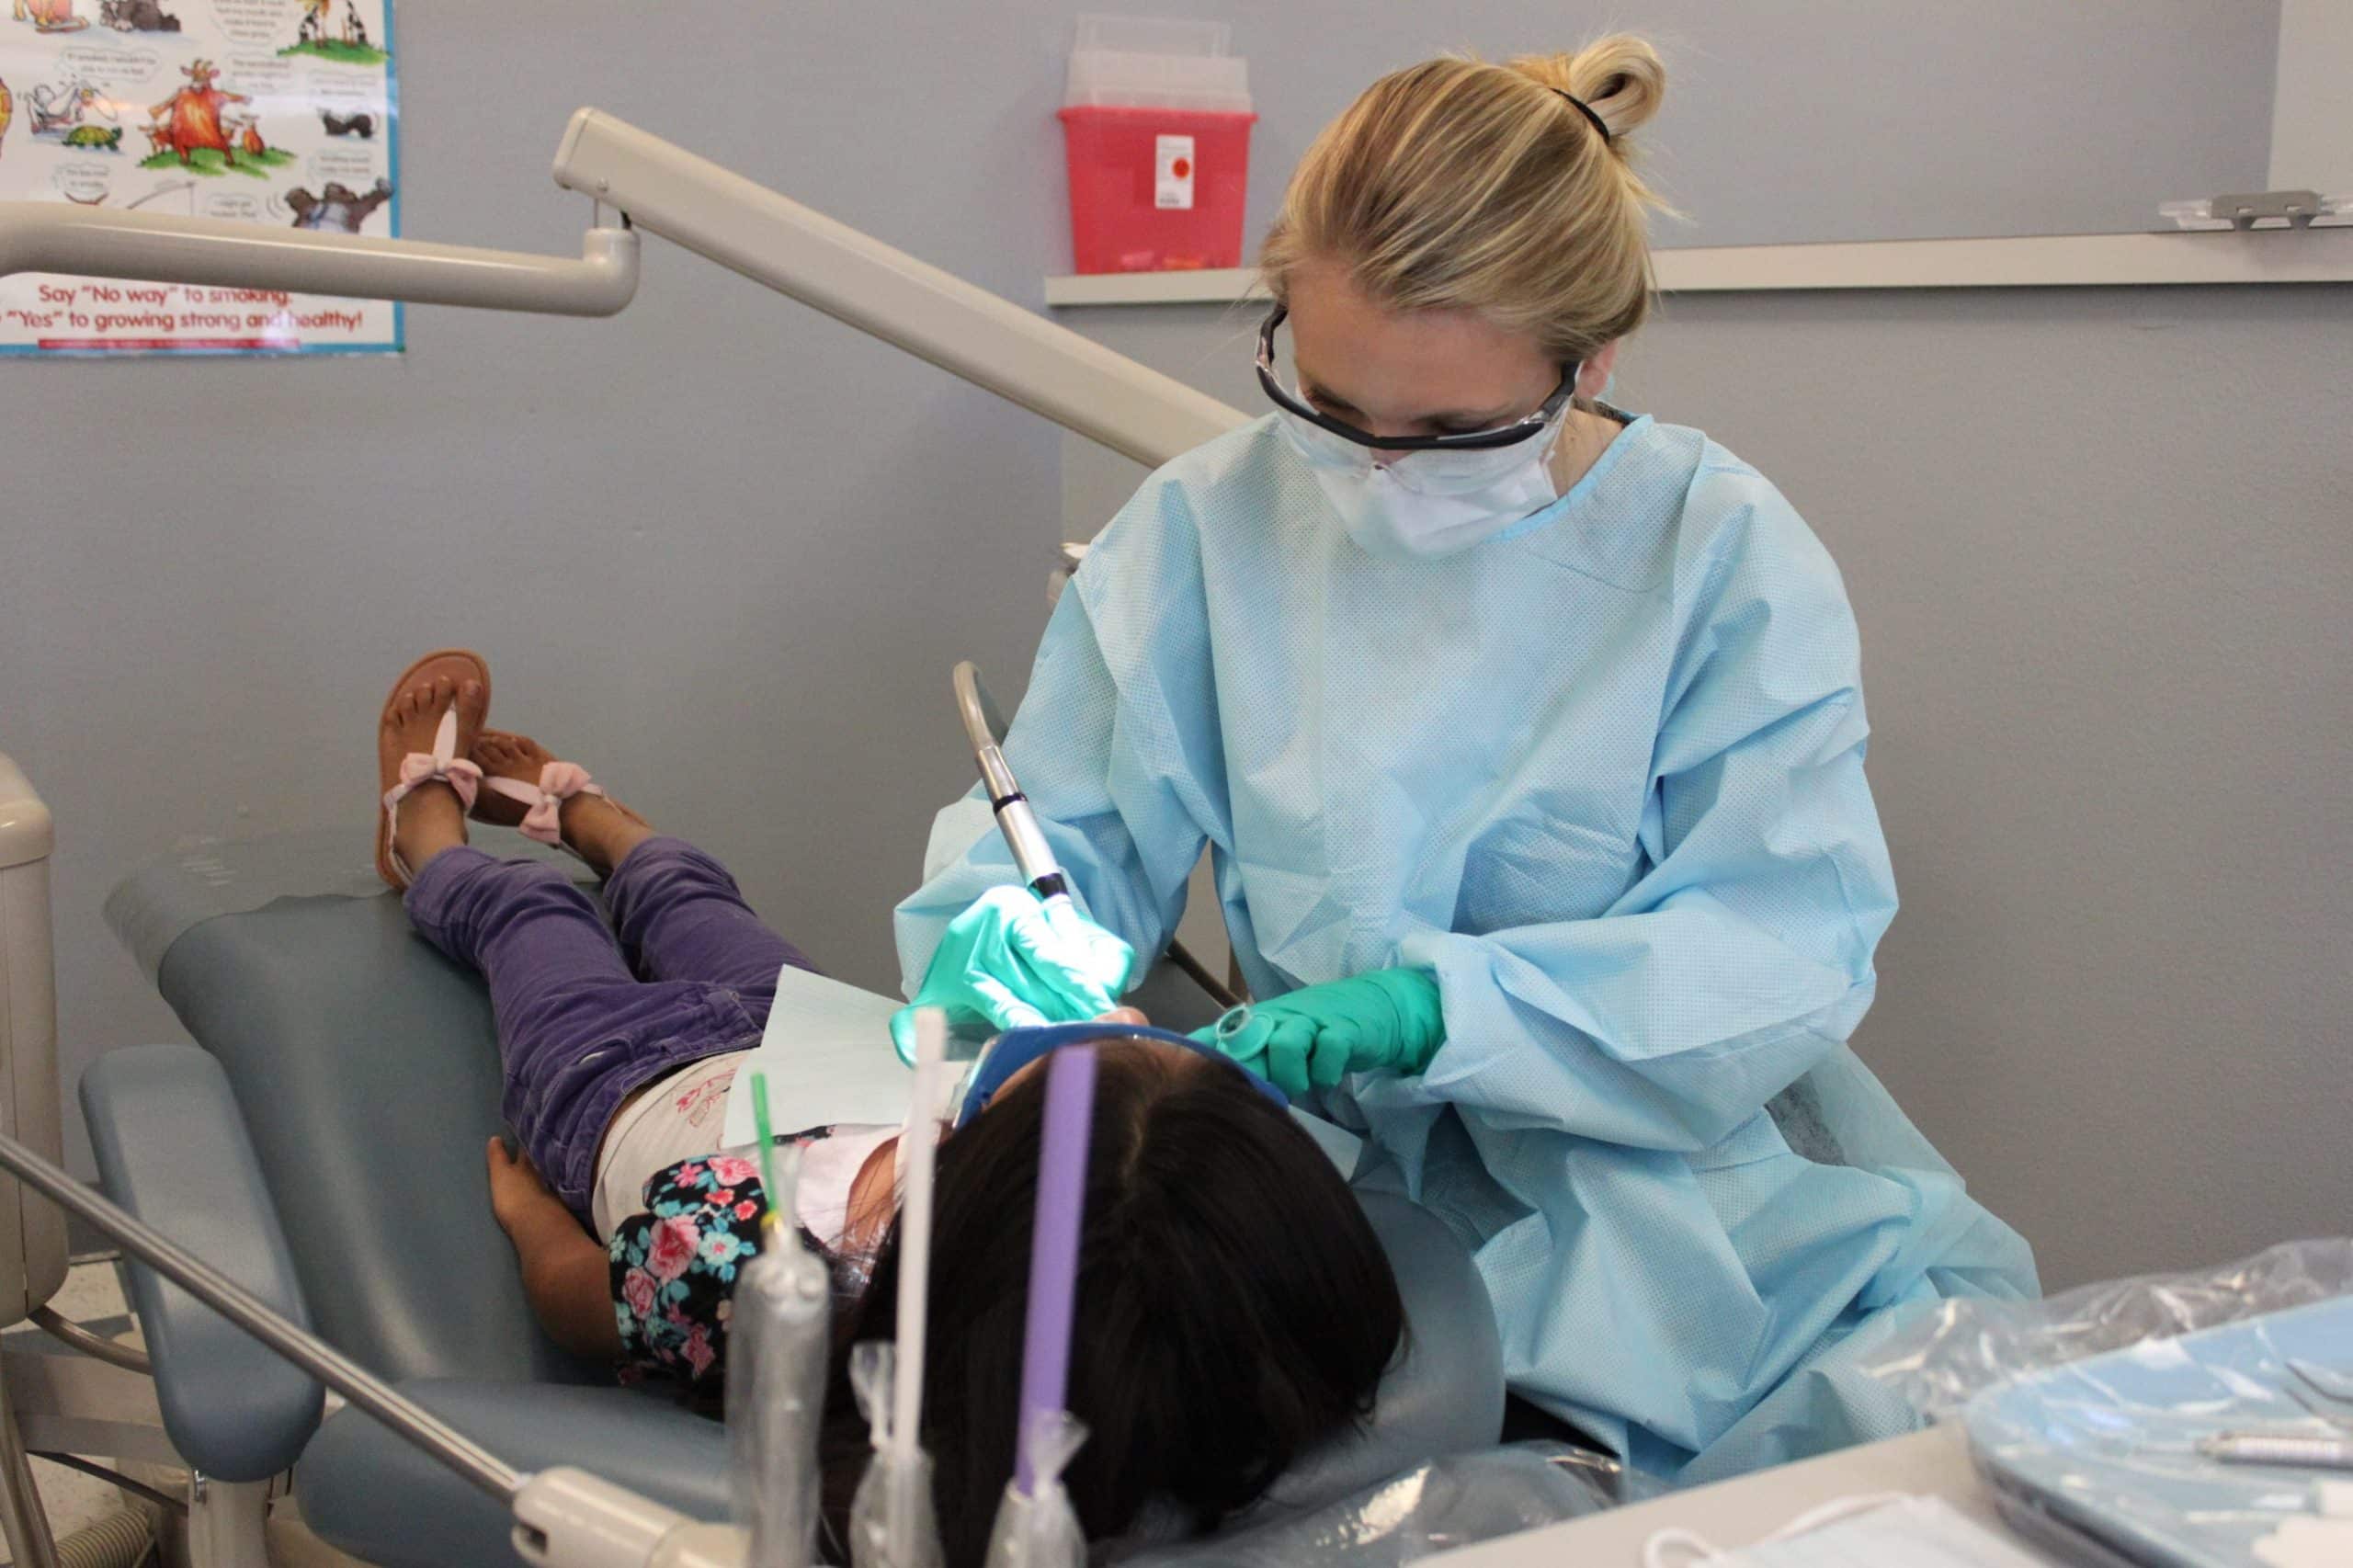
x=1015 y=1048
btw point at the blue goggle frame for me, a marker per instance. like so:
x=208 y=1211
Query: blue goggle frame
x=1015 y=1048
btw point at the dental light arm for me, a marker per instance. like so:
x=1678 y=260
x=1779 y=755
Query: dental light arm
x=967 y=331
x=564 y=1517
x=44 y=237
x=696 y=204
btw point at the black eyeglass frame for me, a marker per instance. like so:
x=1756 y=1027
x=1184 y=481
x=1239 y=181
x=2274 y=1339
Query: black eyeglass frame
x=1469 y=441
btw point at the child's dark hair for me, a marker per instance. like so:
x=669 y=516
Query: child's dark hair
x=1234 y=1308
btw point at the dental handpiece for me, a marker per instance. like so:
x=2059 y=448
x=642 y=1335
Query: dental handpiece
x=984 y=727
x=1031 y=854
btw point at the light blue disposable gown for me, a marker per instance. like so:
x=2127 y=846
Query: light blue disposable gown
x=1604 y=775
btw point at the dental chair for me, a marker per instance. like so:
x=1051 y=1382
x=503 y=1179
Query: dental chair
x=324 y=1140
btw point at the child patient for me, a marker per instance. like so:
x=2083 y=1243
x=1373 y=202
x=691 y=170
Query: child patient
x=1235 y=1309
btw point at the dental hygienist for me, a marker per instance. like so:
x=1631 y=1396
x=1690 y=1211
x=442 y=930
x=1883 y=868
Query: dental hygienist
x=1527 y=735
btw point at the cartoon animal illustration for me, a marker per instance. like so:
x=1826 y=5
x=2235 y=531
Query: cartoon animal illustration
x=49 y=16
x=315 y=22
x=338 y=210
x=355 y=31
x=360 y=125
x=106 y=137
x=191 y=118
x=136 y=17
x=58 y=107
x=8 y=112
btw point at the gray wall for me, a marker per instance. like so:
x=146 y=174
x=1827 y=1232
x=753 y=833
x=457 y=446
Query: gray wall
x=1796 y=120
x=2099 y=544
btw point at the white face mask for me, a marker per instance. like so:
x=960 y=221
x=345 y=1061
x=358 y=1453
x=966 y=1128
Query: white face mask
x=1420 y=504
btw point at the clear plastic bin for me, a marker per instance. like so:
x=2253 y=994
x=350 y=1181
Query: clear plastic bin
x=1156 y=125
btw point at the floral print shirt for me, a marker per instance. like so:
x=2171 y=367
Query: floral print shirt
x=674 y=1268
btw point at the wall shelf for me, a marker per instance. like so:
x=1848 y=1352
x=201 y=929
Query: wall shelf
x=2313 y=256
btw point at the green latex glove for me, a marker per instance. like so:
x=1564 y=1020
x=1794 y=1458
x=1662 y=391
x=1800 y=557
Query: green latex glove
x=1013 y=960
x=1385 y=1019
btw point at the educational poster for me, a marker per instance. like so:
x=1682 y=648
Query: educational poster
x=278 y=112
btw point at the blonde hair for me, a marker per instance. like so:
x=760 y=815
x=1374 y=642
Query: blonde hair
x=1458 y=184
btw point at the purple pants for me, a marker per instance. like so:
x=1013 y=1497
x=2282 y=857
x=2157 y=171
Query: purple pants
x=589 y=1014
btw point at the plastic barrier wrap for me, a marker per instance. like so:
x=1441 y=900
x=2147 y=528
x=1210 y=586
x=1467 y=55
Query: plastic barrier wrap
x=2121 y=1458
x=1948 y=1356
x=1448 y=1503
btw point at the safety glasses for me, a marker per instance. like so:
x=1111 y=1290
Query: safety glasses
x=1469 y=441
x=1016 y=1049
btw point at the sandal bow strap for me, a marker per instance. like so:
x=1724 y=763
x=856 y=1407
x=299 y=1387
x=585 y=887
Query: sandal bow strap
x=558 y=782
x=441 y=764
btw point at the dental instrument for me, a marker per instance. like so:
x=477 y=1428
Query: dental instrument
x=984 y=727
x=1041 y=1529
x=1036 y=1526
x=765 y=1131
x=2296 y=1450
x=1072 y=968
x=1054 y=1250
x=892 y=1480
x=1033 y=857
x=921 y=1149
x=893 y=1522
x=777 y=1342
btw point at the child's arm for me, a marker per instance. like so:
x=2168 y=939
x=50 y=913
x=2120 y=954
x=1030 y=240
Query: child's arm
x=565 y=1273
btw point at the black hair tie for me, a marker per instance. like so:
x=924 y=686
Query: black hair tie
x=1587 y=109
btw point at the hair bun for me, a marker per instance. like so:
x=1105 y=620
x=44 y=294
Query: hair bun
x=1620 y=78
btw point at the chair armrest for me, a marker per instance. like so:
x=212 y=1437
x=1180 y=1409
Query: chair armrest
x=172 y=1150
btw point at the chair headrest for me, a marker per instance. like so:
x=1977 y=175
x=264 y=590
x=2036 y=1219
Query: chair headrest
x=1445 y=1394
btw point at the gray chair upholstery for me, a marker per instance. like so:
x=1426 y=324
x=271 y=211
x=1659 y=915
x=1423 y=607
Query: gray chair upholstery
x=366 y=1070
x=170 y=1151
x=378 y=1499
x=365 y=1064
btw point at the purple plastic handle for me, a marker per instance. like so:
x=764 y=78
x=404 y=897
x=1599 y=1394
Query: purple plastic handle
x=1053 y=1251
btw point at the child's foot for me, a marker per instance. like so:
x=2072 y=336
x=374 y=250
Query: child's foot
x=602 y=831
x=431 y=817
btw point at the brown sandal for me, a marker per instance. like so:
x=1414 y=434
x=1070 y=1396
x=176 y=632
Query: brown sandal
x=535 y=809
x=400 y=772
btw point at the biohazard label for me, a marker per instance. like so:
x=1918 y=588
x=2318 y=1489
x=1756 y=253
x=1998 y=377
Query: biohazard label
x=1172 y=183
